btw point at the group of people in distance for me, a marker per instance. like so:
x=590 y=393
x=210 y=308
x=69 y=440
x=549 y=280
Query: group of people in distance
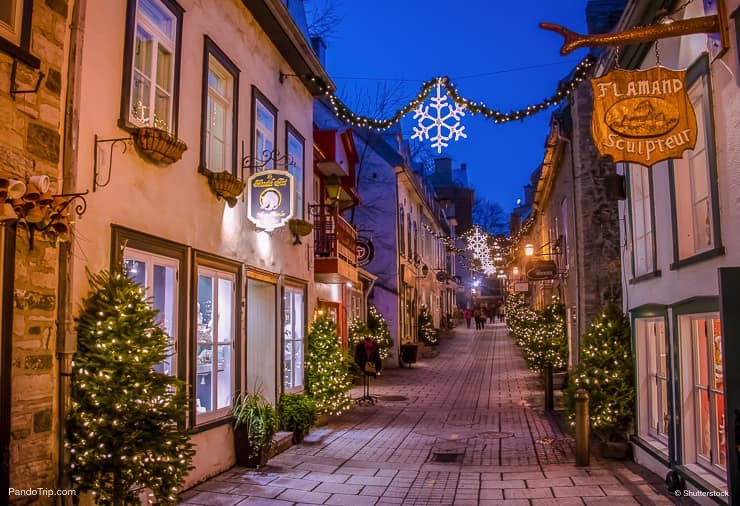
x=483 y=315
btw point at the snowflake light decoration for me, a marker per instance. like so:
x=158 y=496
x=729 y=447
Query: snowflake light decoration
x=446 y=121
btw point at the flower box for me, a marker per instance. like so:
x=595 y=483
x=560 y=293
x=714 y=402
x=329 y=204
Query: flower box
x=226 y=185
x=159 y=145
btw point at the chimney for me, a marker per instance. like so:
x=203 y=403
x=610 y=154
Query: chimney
x=443 y=169
x=319 y=48
x=464 y=174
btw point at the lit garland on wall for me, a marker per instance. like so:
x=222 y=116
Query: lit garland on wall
x=448 y=241
x=564 y=89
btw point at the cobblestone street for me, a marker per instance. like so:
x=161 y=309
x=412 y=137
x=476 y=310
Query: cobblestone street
x=464 y=428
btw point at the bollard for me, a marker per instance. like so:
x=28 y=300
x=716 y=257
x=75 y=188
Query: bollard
x=548 y=388
x=582 y=428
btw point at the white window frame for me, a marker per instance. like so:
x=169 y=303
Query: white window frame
x=297 y=167
x=149 y=260
x=691 y=392
x=136 y=114
x=259 y=101
x=226 y=103
x=217 y=342
x=650 y=335
x=296 y=328
x=642 y=223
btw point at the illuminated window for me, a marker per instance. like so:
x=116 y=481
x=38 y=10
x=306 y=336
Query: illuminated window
x=295 y=150
x=294 y=324
x=265 y=118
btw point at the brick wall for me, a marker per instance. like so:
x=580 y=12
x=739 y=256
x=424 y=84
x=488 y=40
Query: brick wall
x=30 y=139
x=597 y=217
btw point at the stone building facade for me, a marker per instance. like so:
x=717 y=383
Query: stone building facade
x=33 y=52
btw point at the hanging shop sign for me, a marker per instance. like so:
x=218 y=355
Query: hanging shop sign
x=521 y=287
x=270 y=198
x=541 y=270
x=642 y=116
x=365 y=251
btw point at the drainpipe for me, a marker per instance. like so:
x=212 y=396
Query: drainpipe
x=66 y=341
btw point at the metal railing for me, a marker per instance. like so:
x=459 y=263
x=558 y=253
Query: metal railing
x=333 y=236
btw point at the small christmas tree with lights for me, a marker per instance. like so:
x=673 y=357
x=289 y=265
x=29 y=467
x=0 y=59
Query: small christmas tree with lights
x=327 y=377
x=125 y=428
x=605 y=371
x=426 y=328
x=378 y=328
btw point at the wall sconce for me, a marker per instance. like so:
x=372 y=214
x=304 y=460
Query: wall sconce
x=529 y=249
x=336 y=194
x=515 y=271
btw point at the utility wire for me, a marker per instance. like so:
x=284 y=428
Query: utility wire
x=470 y=76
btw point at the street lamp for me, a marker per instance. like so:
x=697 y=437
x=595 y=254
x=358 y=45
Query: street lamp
x=529 y=249
x=515 y=271
x=336 y=194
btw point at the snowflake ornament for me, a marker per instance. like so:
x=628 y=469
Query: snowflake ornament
x=446 y=121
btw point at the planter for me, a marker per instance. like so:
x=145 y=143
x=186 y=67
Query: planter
x=159 y=145
x=244 y=451
x=226 y=186
x=299 y=228
x=409 y=353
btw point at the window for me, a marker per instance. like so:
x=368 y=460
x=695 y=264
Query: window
x=707 y=389
x=401 y=233
x=215 y=338
x=151 y=76
x=416 y=243
x=264 y=118
x=641 y=219
x=15 y=30
x=220 y=100
x=694 y=179
x=409 y=245
x=294 y=323
x=159 y=275
x=295 y=150
x=653 y=378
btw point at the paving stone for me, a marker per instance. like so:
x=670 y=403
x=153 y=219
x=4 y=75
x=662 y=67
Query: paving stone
x=372 y=490
x=295 y=483
x=527 y=493
x=503 y=484
x=326 y=477
x=261 y=501
x=265 y=491
x=339 y=488
x=214 y=499
x=370 y=480
x=561 y=501
x=491 y=493
x=304 y=496
x=578 y=491
x=353 y=500
x=550 y=482
x=595 y=480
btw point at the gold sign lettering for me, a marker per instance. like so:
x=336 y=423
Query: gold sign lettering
x=642 y=116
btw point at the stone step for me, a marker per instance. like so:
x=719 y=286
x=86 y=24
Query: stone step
x=281 y=441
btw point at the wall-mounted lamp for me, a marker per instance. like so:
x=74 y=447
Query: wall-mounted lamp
x=515 y=271
x=336 y=194
x=528 y=249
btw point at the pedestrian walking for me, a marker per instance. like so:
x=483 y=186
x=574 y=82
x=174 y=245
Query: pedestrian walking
x=476 y=315
x=483 y=317
x=468 y=315
x=501 y=313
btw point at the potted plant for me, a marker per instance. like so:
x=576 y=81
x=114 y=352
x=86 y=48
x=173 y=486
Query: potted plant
x=226 y=185
x=297 y=414
x=255 y=422
x=159 y=145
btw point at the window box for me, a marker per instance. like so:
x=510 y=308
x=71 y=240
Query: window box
x=226 y=185
x=159 y=145
x=300 y=227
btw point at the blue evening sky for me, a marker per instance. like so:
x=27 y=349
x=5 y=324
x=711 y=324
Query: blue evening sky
x=477 y=43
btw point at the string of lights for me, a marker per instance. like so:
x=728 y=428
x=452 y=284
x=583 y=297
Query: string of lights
x=565 y=88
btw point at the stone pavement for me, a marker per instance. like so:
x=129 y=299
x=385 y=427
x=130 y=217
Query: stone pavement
x=464 y=428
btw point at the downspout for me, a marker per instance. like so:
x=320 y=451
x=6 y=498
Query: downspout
x=399 y=286
x=66 y=339
x=575 y=244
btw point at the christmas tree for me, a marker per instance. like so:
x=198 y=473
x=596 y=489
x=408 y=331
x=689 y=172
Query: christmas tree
x=376 y=328
x=327 y=378
x=605 y=371
x=426 y=328
x=125 y=428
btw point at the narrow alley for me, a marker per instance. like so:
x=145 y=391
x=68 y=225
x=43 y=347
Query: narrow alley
x=464 y=428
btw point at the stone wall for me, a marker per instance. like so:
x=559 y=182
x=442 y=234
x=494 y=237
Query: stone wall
x=30 y=140
x=597 y=216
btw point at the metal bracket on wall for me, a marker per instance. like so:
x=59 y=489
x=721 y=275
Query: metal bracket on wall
x=13 y=87
x=123 y=142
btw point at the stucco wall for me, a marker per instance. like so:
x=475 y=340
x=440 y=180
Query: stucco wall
x=174 y=202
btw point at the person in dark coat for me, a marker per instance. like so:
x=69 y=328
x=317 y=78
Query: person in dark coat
x=468 y=315
x=367 y=351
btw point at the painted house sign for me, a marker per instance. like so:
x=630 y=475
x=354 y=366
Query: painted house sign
x=642 y=116
x=365 y=251
x=270 y=198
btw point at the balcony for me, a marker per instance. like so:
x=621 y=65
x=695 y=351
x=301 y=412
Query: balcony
x=335 y=246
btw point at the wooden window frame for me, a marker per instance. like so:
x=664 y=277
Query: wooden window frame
x=290 y=130
x=258 y=96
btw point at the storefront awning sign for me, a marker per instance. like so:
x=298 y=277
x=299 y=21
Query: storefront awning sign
x=642 y=116
x=270 y=198
x=541 y=270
